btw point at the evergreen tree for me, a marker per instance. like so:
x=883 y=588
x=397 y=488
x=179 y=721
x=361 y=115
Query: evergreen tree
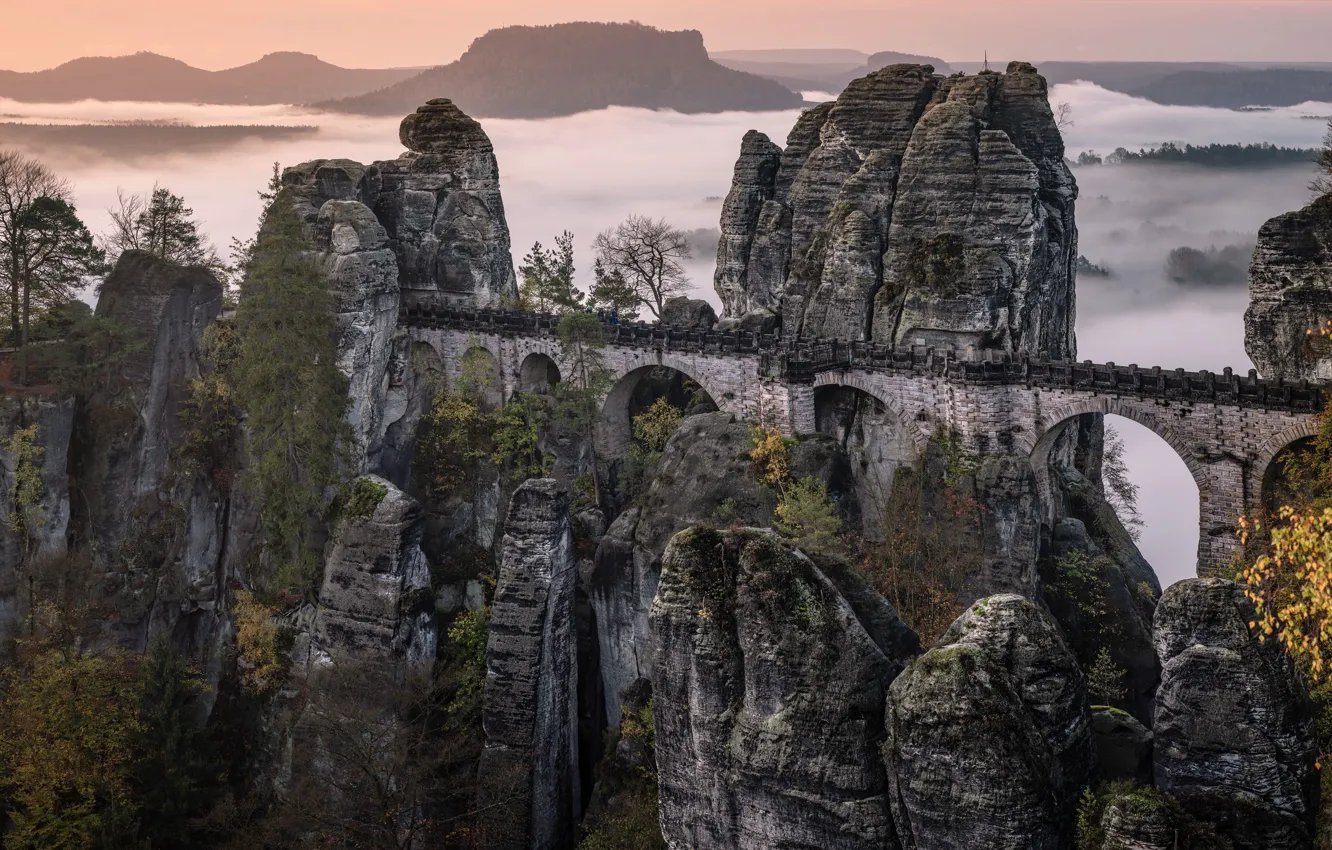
x=582 y=345
x=177 y=774
x=161 y=225
x=1322 y=184
x=548 y=277
x=611 y=291
x=287 y=383
x=45 y=249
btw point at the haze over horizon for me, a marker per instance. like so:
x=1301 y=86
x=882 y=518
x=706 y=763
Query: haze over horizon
x=416 y=33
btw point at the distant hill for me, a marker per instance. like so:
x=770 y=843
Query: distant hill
x=134 y=140
x=1235 y=89
x=276 y=78
x=794 y=56
x=541 y=72
x=797 y=71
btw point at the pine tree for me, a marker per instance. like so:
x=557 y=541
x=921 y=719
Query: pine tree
x=288 y=385
x=161 y=225
x=178 y=773
x=548 y=277
x=1322 y=184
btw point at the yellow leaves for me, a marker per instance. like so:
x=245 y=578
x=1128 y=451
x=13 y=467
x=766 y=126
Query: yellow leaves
x=259 y=644
x=67 y=726
x=1291 y=586
x=771 y=456
x=655 y=426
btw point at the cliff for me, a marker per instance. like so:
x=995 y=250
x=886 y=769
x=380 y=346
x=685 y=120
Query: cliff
x=1290 y=294
x=542 y=72
x=916 y=209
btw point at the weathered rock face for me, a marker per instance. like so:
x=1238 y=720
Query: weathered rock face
x=1290 y=294
x=375 y=604
x=138 y=504
x=528 y=774
x=914 y=209
x=1233 y=737
x=704 y=476
x=1123 y=747
x=1138 y=821
x=770 y=674
x=989 y=737
x=439 y=205
x=39 y=533
x=363 y=275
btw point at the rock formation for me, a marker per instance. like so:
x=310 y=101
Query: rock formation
x=770 y=674
x=916 y=209
x=1123 y=746
x=375 y=604
x=989 y=737
x=1233 y=740
x=439 y=204
x=684 y=312
x=528 y=774
x=704 y=472
x=137 y=502
x=1290 y=294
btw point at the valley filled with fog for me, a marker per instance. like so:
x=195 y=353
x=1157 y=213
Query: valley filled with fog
x=586 y=172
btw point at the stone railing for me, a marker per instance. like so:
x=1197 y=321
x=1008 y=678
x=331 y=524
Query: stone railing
x=799 y=360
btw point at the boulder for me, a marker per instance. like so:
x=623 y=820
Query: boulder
x=989 y=737
x=1290 y=294
x=1233 y=735
x=770 y=673
x=528 y=775
x=1123 y=746
x=692 y=313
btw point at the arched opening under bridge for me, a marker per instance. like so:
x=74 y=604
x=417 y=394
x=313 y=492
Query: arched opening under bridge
x=538 y=374
x=1144 y=477
x=636 y=392
x=877 y=441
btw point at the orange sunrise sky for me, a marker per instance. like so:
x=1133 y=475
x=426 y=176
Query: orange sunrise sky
x=42 y=33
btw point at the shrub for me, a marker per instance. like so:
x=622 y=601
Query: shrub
x=654 y=427
x=805 y=514
x=259 y=645
x=363 y=497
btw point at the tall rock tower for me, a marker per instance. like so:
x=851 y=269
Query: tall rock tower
x=915 y=209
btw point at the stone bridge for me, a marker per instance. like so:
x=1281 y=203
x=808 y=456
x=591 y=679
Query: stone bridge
x=1226 y=428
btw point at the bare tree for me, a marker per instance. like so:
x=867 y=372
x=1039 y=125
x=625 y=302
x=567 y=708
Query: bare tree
x=160 y=224
x=1064 y=116
x=45 y=250
x=1322 y=184
x=647 y=254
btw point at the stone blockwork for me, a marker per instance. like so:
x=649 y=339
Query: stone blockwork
x=1226 y=428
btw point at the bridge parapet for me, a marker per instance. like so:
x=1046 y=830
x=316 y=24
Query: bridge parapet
x=799 y=360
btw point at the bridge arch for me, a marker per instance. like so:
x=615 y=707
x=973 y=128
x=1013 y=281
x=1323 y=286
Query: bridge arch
x=1274 y=446
x=538 y=373
x=1050 y=425
x=908 y=425
x=614 y=429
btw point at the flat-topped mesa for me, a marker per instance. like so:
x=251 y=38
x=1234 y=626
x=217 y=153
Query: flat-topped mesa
x=914 y=210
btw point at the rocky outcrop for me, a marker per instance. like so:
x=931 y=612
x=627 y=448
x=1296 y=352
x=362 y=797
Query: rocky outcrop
x=1233 y=740
x=914 y=209
x=375 y=603
x=1290 y=295
x=692 y=313
x=704 y=476
x=770 y=674
x=989 y=736
x=1123 y=746
x=140 y=507
x=36 y=532
x=439 y=204
x=528 y=784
